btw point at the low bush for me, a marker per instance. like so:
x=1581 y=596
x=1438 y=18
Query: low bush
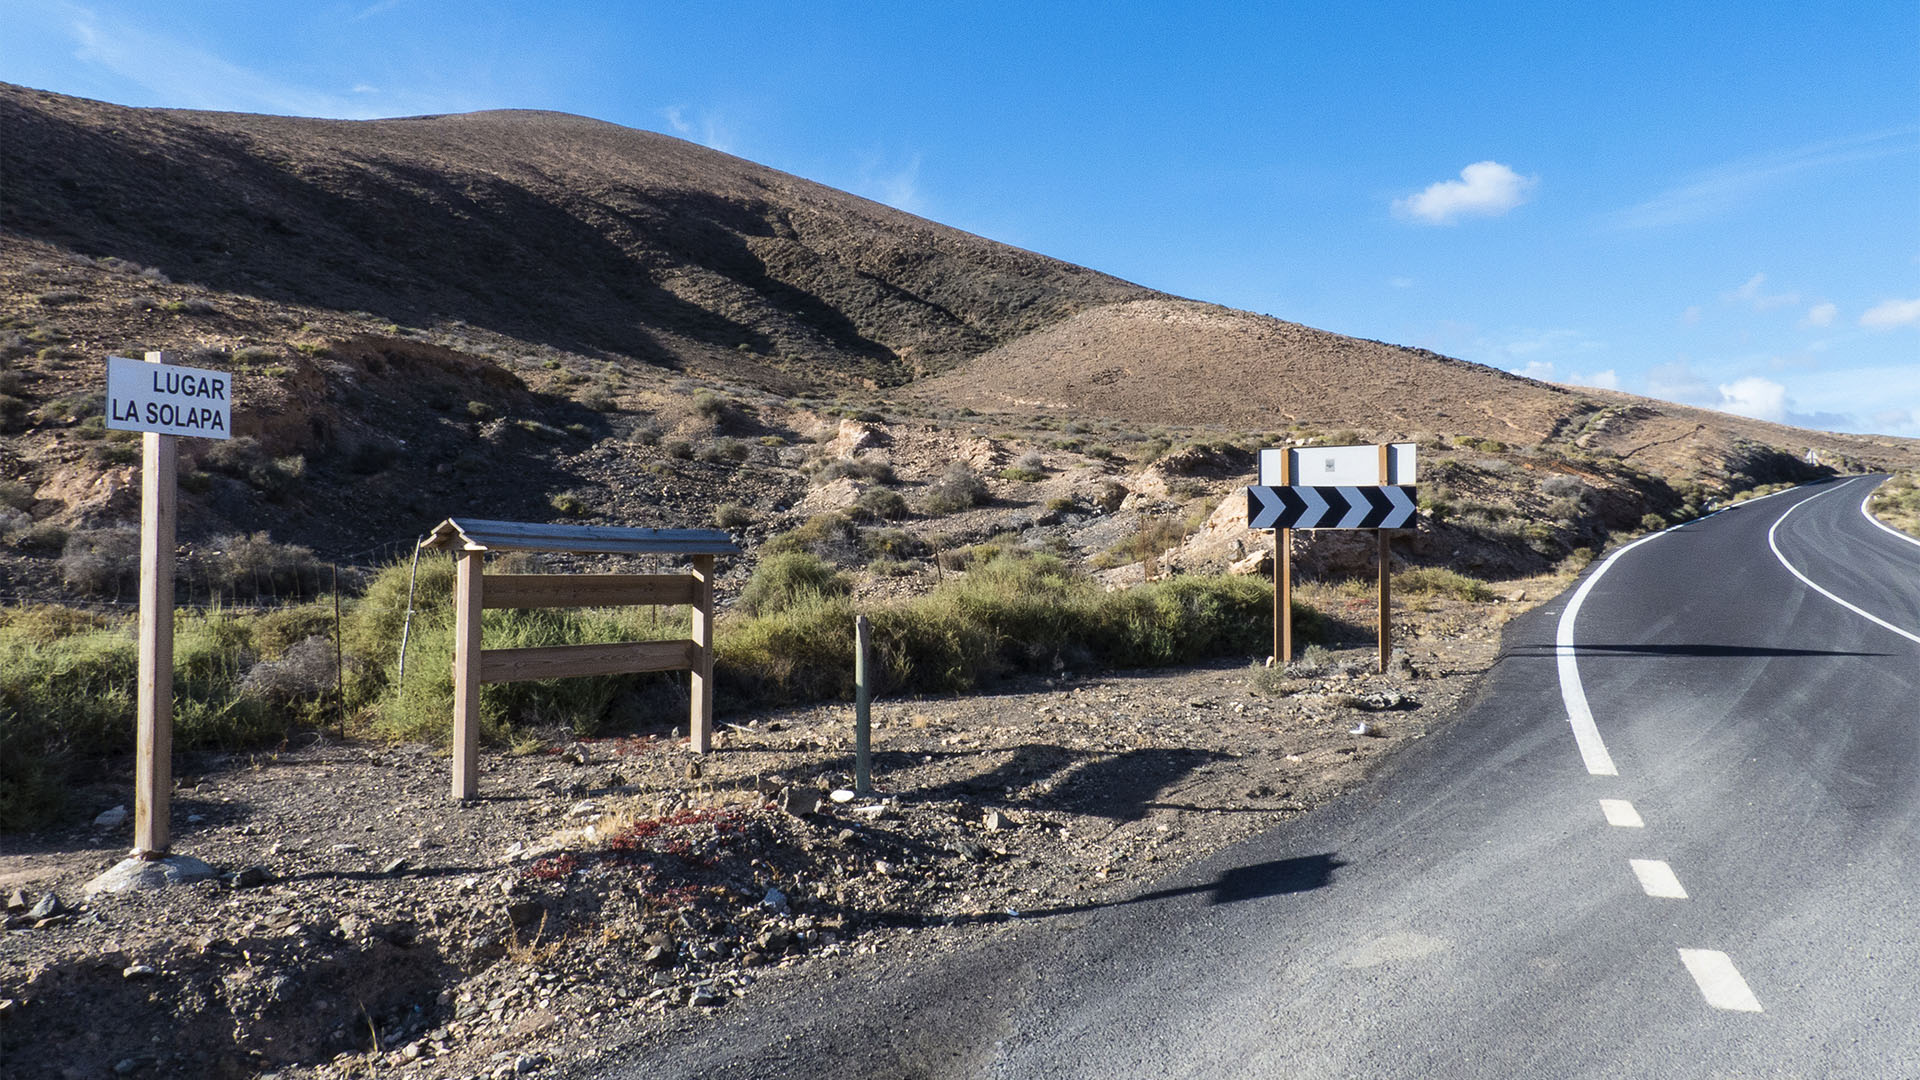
x=790 y=579
x=957 y=489
x=1440 y=581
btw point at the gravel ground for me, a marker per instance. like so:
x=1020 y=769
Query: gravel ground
x=604 y=892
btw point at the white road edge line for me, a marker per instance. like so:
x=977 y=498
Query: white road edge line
x=1593 y=751
x=1719 y=981
x=1657 y=879
x=1890 y=530
x=1809 y=582
x=1621 y=814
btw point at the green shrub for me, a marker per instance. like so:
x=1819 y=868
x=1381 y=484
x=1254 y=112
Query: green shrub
x=830 y=536
x=789 y=579
x=957 y=489
x=732 y=515
x=1440 y=581
x=881 y=504
x=68 y=683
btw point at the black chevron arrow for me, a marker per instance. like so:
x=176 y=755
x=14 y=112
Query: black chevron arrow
x=1359 y=507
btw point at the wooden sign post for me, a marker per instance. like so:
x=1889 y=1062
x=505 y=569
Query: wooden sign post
x=1331 y=487
x=162 y=402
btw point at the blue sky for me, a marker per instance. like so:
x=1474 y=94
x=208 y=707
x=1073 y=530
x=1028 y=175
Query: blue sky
x=1716 y=204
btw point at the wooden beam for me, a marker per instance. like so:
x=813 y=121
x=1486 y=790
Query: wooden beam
x=570 y=661
x=587 y=590
x=467 y=599
x=153 y=739
x=1283 y=578
x=1386 y=567
x=700 y=697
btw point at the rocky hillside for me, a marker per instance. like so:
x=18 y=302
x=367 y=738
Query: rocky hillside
x=537 y=316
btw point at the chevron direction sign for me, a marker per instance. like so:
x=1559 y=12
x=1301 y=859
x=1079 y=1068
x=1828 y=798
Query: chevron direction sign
x=1377 y=506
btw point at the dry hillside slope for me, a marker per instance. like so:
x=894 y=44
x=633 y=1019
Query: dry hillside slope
x=1167 y=361
x=552 y=228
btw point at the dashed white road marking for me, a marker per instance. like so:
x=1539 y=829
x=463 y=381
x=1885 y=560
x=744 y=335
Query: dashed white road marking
x=1658 y=879
x=1621 y=814
x=1719 y=981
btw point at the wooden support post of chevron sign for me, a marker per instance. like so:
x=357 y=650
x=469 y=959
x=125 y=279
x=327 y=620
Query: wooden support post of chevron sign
x=1386 y=568
x=1350 y=487
x=1283 y=582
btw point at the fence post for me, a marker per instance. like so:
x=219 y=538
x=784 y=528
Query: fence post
x=700 y=696
x=466 y=675
x=862 y=705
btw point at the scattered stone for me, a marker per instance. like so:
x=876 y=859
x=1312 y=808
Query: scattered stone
x=138 y=971
x=584 y=809
x=776 y=900
x=841 y=795
x=992 y=821
x=111 y=819
x=17 y=901
x=48 y=907
x=660 y=956
x=707 y=996
x=393 y=866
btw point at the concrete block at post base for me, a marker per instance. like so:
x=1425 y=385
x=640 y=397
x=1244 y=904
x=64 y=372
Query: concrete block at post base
x=145 y=875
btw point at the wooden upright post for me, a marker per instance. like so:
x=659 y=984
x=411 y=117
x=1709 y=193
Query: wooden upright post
x=700 y=703
x=862 y=705
x=153 y=740
x=1283 y=577
x=1386 y=567
x=466 y=674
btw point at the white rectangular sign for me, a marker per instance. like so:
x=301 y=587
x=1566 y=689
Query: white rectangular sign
x=1338 y=466
x=169 y=400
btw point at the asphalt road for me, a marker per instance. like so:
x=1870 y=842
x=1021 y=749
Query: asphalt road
x=1674 y=837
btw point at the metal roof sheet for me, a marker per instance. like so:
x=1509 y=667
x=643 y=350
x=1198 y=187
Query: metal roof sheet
x=476 y=534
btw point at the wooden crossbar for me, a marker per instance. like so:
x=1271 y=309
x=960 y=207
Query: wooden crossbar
x=586 y=590
x=568 y=661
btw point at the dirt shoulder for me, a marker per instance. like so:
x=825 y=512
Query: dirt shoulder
x=608 y=891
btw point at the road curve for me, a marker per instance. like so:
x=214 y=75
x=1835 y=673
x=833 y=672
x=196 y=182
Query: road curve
x=1732 y=895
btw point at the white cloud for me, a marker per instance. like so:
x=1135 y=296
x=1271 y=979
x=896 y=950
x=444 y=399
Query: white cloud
x=1605 y=380
x=898 y=186
x=1485 y=189
x=1752 y=295
x=706 y=128
x=1678 y=382
x=1891 y=313
x=1545 y=371
x=1820 y=315
x=1762 y=399
x=1537 y=369
x=1716 y=191
x=1401 y=282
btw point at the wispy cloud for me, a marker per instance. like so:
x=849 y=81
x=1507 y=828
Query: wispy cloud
x=181 y=74
x=1753 y=294
x=897 y=185
x=1717 y=190
x=1891 y=313
x=1485 y=189
x=1821 y=314
x=703 y=126
x=1545 y=371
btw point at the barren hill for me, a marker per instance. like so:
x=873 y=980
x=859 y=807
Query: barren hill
x=533 y=315
x=547 y=227
x=1168 y=361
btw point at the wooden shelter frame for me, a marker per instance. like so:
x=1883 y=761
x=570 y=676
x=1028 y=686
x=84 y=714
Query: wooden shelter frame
x=470 y=539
